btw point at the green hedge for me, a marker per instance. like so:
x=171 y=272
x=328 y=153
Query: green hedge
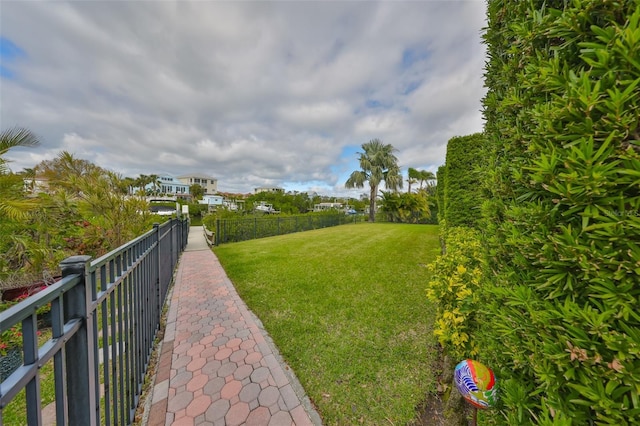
x=462 y=183
x=248 y=228
x=563 y=219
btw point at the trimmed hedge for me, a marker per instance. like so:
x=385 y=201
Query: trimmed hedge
x=462 y=183
x=563 y=219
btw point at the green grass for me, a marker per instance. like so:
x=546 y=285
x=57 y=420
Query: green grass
x=346 y=307
x=15 y=412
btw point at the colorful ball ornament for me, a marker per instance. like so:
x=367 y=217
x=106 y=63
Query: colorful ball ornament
x=476 y=383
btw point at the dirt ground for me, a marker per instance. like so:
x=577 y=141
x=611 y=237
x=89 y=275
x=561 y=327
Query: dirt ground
x=431 y=413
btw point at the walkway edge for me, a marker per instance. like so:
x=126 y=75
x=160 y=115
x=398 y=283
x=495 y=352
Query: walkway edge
x=155 y=407
x=293 y=380
x=147 y=402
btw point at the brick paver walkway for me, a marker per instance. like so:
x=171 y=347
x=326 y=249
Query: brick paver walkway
x=217 y=365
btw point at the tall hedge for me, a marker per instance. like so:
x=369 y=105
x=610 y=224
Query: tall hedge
x=462 y=183
x=563 y=220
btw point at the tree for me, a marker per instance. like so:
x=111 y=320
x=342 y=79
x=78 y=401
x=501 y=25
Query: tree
x=126 y=185
x=114 y=217
x=414 y=176
x=405 y=207
x=13 y=205
x=196 y=191
x=154 y=180
x=378 y=164
x=61 y=171
x=426 y=176
x=140 y=184
x=15 y=208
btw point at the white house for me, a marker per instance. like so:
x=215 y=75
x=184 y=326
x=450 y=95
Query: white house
x=268 y=189
x=212 y=201
x=208 y=184
x=322 y=207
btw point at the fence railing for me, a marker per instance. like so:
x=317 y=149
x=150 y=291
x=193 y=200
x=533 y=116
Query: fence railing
x=233 y=230
x=105 y=315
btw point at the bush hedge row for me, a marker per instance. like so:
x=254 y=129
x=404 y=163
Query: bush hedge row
x=462 y=180
x=562 y=220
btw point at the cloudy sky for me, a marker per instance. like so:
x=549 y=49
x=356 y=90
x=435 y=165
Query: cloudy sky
x=253 y=93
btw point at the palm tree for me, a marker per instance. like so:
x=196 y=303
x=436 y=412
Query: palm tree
x=13 y=205
x=378 y=164
x=126 y=185
x=154 y=180
x=12 y=138
x=414 y=176
x=426 y=176
x=141 y=183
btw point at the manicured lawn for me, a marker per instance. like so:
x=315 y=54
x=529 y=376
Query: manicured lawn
x=346 y=306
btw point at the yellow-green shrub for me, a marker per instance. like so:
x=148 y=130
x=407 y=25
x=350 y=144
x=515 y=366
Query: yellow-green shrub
x=455 y=288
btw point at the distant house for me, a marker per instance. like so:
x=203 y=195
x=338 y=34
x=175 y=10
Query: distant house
x=268 y=189
x=322 y=207
x=168 y=185
x=212 y=201
x=208 y=184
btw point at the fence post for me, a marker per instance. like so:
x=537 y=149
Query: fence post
x=184 y=234
x=79 y=350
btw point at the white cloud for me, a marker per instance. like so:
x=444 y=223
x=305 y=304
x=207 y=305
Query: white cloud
x=252 y=93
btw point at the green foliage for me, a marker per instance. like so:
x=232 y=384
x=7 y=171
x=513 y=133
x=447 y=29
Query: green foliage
x=233 y=229
x=196 y=191
x=84 y=210
x=463 y=172
x=114 y=217
x=563 y=218
x=412 y=177
x=456 y=288
x=430 y=192
x=377 y=164
x=405 y=207
x=12 y=138
x=285 y=203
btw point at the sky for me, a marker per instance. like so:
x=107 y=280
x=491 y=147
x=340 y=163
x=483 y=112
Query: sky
x=252 y=93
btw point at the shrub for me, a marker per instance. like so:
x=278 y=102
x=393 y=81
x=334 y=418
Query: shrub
x=405 y=207
x=563 y=222
x=455 y=288
x=462 y=189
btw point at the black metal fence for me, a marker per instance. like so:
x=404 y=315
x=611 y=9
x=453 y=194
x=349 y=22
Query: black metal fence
x=105 y=315
x=233 y=230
